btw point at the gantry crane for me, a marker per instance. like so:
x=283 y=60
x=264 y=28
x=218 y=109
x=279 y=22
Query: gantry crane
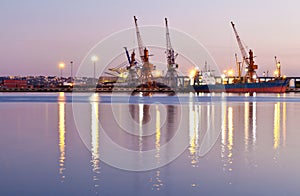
x=171 y=76
x=251 y=67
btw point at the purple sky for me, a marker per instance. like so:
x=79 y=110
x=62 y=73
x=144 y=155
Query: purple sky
x=37 y=35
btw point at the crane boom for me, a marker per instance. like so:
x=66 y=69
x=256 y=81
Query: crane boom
x=139 y=39
x=127 y=54
x=170 y=51
x=242 y=48
x=168 y=40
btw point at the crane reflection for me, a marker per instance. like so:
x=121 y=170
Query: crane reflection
x=250 y=134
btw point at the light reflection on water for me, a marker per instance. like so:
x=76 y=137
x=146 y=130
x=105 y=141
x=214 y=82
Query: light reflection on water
x=62 y=139
x=255 y=141
x=95 y=142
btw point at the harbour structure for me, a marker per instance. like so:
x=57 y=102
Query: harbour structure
x=15 y=83
x=249 y=83
x=132 y=77
x=140 y=77
x=171 y=78
x=146 y=76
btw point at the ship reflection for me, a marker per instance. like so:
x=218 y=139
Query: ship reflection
x=62 y=134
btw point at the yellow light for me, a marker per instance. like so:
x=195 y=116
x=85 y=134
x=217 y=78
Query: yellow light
x=192 y=73
x=61 y=65
x=278 y=65
x=276 y=73
x=94 y=58
x=230 y=72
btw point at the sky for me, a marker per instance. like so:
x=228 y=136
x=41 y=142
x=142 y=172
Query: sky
x=36 y=35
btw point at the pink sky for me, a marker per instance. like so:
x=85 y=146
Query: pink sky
x=37 y=35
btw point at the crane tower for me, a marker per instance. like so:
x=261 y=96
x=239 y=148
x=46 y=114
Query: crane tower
x=251 y=67
x=171 y=75
x=147 y=68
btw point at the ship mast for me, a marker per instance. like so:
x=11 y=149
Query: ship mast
x=278 y=68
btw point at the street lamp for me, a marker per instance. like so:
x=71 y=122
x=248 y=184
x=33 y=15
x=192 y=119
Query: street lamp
x=61 y=66
x=94 y=60
x=71 y=62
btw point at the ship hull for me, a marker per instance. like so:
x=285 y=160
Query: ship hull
x=275 y=86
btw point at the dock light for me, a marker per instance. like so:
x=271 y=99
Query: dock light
x=61 y=65
x=230 y=72
x=94 y=60
x=276 y=73
x=192 y=73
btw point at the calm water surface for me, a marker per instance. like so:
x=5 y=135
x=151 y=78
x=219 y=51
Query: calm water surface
x=228 y=144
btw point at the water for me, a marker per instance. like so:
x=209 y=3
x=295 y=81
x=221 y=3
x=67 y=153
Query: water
x=56 y=144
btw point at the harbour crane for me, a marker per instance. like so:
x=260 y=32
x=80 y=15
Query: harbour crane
x=251 y=67
x=171 y=75
x=132 y=78
x=241 y=46
x=170 y=51
x=127 y=55
x=146 y=76
x=139 y=40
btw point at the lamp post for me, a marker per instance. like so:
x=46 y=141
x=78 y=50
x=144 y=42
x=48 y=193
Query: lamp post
x=94 y=60
x=71 y=62
x=61 y=66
